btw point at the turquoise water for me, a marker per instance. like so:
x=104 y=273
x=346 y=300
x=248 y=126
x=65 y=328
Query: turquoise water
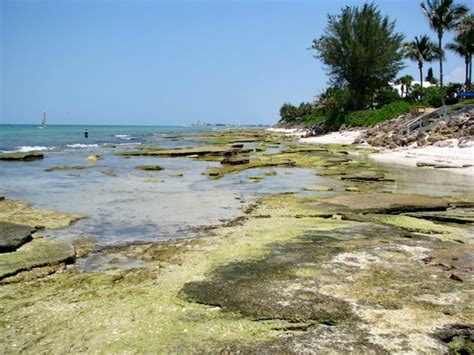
x=129 y=207
x=31 y=137
x=140 y=206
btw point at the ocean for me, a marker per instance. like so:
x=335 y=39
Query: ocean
x=32 y=137
x=124 y=205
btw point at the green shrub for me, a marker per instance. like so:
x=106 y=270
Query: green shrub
x=373 y=117
x=313 y=118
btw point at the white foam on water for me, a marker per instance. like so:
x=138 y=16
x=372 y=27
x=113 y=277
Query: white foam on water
x=124 y=136
x=28 y=148
x=79 y=145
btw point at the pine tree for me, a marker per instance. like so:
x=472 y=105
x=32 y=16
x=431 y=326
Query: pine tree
x=361 y=51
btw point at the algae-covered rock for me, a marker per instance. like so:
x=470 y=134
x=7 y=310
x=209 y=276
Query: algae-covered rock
x=22 y=212
x=270 y=172
x=456 y=215
x=318 y=188
x=212 y=150
x=352 y=189
x=364 y=176
x=235 y=160
x=390 y=203
x=109 y=173
x=13 y=235
x=459 y=338
x=154 y=180
x=92 y=158
x=84 y=246
x=37 y=253
x=21 y=156
x=68 y=167
x=149 y=167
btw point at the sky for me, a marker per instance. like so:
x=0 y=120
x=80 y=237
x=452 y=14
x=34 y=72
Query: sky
x=157 y=62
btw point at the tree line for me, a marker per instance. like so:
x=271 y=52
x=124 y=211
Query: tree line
x=363 y=53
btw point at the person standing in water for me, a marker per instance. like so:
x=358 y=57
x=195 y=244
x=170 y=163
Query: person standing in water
x=86 y=133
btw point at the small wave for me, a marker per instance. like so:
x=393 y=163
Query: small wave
x=129 y=143
x=124 y=136
x=28 y=148
x=78 y=145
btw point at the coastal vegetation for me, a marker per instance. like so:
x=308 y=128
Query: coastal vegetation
x=362 y=52
x=363 y=55
x=443 y=15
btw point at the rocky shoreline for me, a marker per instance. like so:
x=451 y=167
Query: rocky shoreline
x=368 y=268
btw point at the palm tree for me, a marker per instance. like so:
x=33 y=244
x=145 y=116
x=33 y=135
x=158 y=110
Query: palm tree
x=443 y=16
x=465 y=29
x=464 y=48
x=421 y=50
x=405 y=81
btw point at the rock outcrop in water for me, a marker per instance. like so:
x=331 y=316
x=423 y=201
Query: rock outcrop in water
x=365 y=272
x=21 y=156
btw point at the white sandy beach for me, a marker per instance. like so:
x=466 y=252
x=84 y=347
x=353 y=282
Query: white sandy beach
x=344 y=137
x=441 y=156
x=461 y=159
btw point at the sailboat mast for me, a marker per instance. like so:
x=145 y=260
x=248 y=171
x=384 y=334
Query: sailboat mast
x=44 y=119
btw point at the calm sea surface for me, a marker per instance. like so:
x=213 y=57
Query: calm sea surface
x=32 y=137
x=133 y=205
x=125 y=205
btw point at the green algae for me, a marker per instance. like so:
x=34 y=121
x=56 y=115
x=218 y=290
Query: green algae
x=22 y=212
x=318 y=188
x=149 y=167
x=418 y=225
x=109 y=173
x=177 y=174
x=300 y=278
x=154 y=180
x=69 y=167
x=21 y=156
x=39 y=252
x=255 y=164
x=84 y=246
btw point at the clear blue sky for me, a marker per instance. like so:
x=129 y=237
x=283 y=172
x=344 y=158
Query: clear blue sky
x=170 y=62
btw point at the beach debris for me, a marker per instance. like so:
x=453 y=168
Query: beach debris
x=21 y=156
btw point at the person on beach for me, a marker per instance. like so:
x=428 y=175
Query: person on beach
x=86 y=133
